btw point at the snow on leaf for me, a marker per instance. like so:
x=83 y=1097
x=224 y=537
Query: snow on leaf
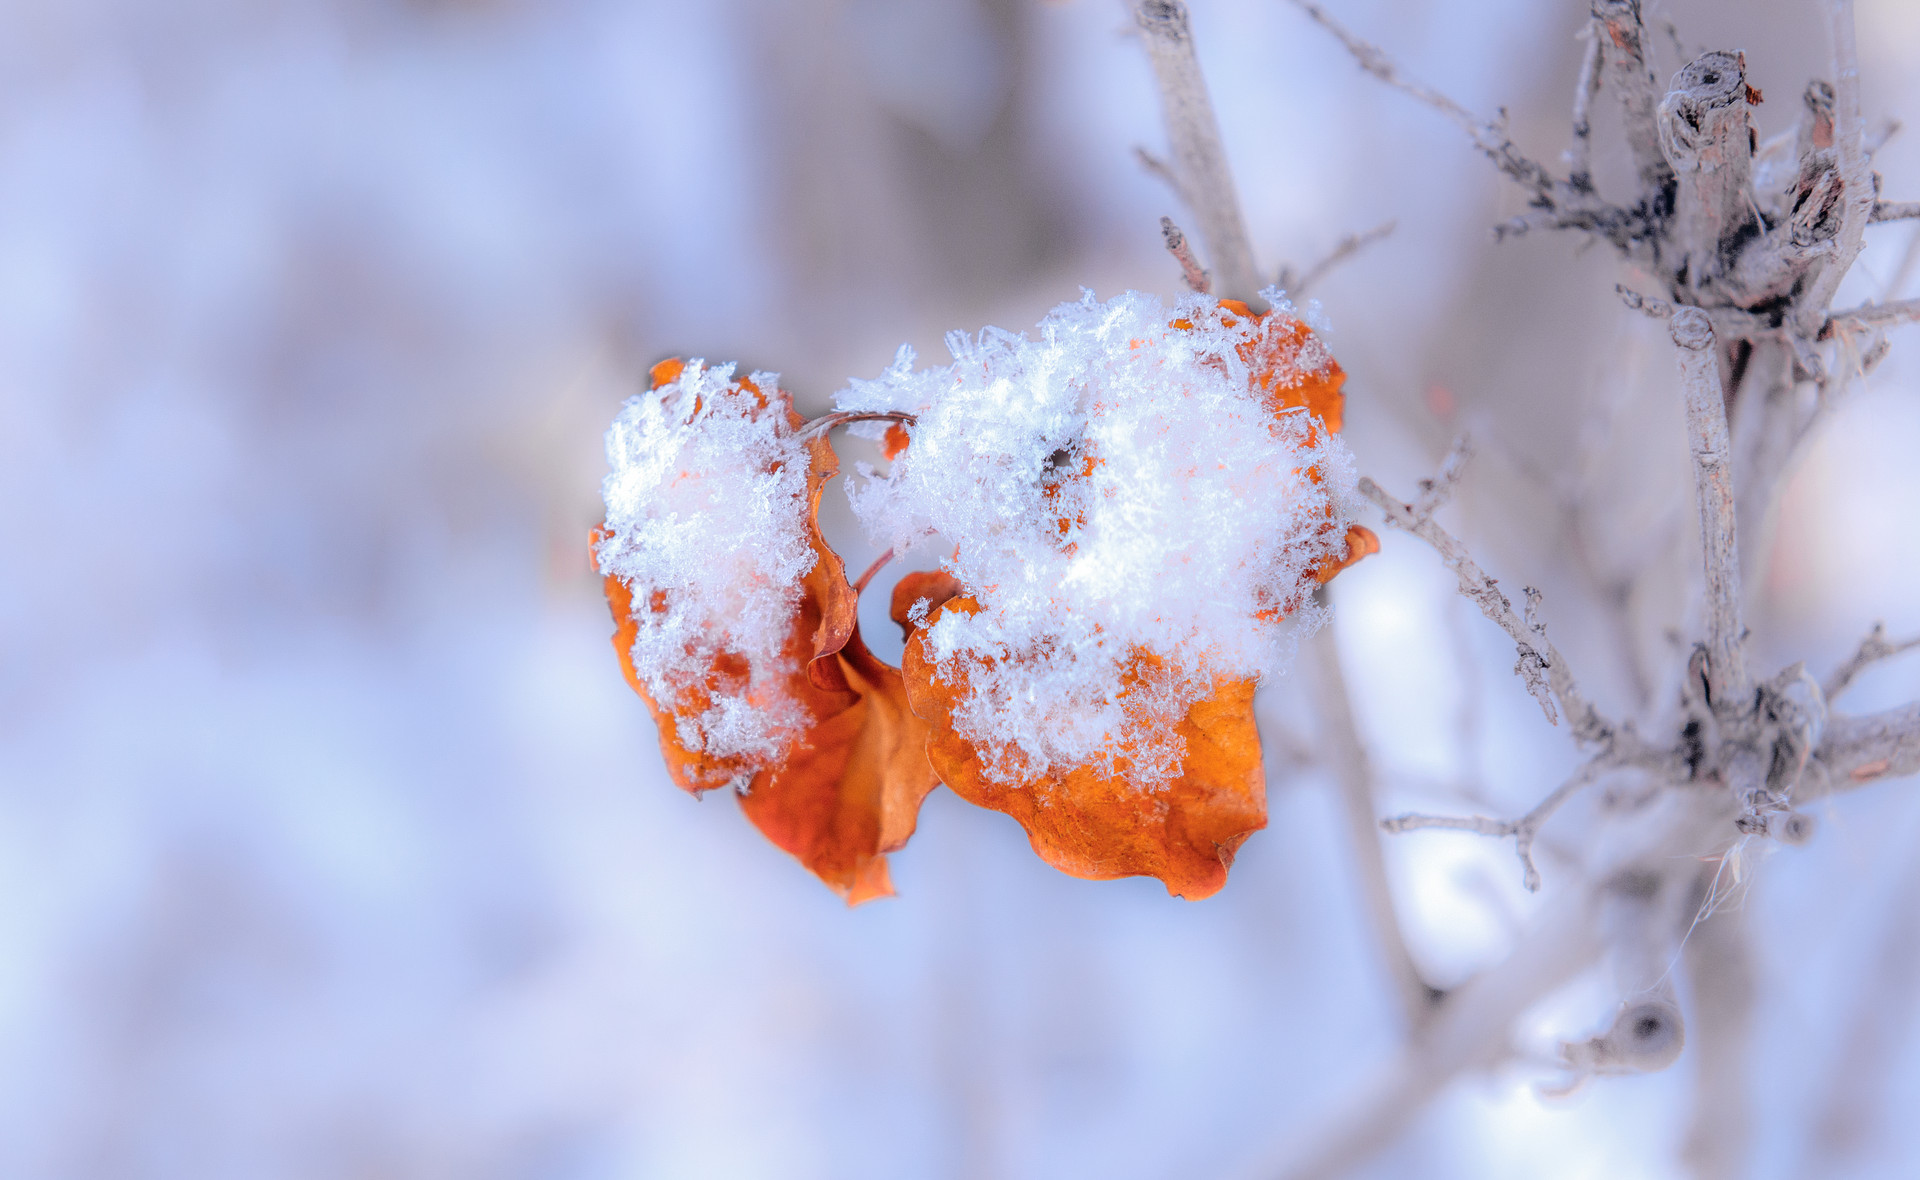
x=1142 y=501
x=1099 y=823
x=748 y=618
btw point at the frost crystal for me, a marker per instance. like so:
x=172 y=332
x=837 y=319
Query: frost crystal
x=1133 y=515
x=706 y=524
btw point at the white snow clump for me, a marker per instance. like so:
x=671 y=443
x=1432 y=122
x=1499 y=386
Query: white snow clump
x=706 y=519
x=1112 y=488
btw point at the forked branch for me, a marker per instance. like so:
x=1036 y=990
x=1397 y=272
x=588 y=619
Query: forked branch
x=1523 y=830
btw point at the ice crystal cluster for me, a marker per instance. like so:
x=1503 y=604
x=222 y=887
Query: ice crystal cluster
x=1132 y=516
x=707 y=525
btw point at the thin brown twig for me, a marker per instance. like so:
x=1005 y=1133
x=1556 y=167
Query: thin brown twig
x=1196 y=276
x=1894 y=211
x=879 y=563
x=838 y=418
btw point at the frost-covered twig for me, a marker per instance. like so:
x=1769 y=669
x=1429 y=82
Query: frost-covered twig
x=1193 y=134
x=1197 y=279
x=1895 y=210
x=1353 y=773
x=1523 y=830
x=1713 y=480
x=1540 y=665
x=1345 y=248
x=1872 y=649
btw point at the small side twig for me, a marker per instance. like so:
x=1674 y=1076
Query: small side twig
x=1162 y=171
x=1856 y=178
x=1193 y=133
x=1435 y=492
x=1855 y=751
x=1523 y=830
x=1894 y=211
x=1345 y=248
x=1540 y=665
x=1196 y=276
x=1489 y=137
x=1872 y=650
x=1872 y=315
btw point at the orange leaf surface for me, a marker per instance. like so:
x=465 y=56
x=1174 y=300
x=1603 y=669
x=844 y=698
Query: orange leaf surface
x=849 y=788
x=1103 y=826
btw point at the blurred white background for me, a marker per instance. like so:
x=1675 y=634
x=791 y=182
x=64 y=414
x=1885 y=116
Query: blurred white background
x=331 y=842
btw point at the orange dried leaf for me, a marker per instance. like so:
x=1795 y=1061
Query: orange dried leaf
x=1361 y=542
x=1101 y=826
x=848 y=788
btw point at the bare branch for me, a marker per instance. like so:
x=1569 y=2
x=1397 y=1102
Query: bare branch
x=1894 y=211
x=1872 y=315
x=1856 y=179
x=1729 y=323
x=1872 y=649
x=1540 y=665
x=1854 y=751
x=1354 y=776
x=1198 y=280
x=1653 y=305
x=1580 y=152
x=1623 y=47
x=1523 y=830
x=1194 y=135
x=1706 y=135
x=1489 y=137
x=1346 y=248
x=1713 y=480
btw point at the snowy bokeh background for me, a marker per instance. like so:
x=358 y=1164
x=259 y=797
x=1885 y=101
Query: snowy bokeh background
x=331 y=842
